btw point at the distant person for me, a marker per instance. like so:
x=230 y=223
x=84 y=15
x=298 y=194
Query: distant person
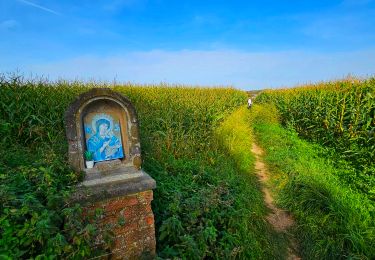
x=249 y=103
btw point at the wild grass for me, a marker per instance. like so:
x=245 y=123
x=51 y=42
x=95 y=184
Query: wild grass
x=236 y=135
x=333 y=221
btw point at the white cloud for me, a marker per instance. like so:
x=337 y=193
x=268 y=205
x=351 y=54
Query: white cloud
x=9 y=25
x=246 y=70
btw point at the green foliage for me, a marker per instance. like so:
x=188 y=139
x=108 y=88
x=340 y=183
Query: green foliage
x=205 y=204
x=210 y=207
x=333 y=221
x=35 y=217
x=88 y=155
x=235 y=134
x=340 y=115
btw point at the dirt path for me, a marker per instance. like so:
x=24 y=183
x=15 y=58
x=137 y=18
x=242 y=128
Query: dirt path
x=280 y=219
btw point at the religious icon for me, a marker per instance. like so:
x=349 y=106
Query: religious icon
x=103 y=136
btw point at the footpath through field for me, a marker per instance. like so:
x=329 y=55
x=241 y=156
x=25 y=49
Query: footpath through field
x=332 y=220
x=278 y=218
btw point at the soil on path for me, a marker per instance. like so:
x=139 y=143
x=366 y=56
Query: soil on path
x=280 y=219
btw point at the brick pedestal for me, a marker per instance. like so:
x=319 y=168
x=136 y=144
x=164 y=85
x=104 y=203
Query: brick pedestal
x=126 y=204
x=132 y=217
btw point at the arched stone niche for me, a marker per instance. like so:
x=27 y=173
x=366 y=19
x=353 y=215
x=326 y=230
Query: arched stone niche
x=116 y=184
x=83 y=120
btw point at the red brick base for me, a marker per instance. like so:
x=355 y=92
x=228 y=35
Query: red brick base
x=133 y=222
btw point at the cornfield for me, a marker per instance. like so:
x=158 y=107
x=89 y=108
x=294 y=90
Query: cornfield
x=201 y=204
x=339 y=115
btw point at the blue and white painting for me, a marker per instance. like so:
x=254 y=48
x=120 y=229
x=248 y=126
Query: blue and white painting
x=103 y=136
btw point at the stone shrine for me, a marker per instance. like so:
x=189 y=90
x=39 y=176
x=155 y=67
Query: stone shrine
x=102 y=127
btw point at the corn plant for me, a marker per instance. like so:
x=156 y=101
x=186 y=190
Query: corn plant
x=340 y=115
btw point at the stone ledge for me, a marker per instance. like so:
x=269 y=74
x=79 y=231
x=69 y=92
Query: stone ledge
x=113 y=186
x=95 y=173
x=111 y=179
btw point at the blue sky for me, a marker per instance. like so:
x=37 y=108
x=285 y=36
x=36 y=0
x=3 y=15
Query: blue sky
x=246 y=44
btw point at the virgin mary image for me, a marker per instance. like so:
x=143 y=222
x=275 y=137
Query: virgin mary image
x=104 y=144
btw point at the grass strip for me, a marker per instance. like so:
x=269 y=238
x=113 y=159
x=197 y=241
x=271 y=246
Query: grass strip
x=236 y=137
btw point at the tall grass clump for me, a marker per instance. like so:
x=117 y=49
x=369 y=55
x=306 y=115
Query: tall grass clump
x=333 y=221
x=200 y=204
x=339 y=115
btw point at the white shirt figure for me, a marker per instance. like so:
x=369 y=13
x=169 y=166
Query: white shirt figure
x=249 y=102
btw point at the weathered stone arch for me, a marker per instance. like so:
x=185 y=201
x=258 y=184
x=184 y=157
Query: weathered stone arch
x=96 y=100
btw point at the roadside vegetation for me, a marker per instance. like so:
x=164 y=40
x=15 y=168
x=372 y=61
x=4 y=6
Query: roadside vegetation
x=326 y=184
x=339 y=115
x=206 y=205
x=196 y=143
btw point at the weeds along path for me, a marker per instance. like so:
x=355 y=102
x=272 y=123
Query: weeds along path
x=278 y=218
